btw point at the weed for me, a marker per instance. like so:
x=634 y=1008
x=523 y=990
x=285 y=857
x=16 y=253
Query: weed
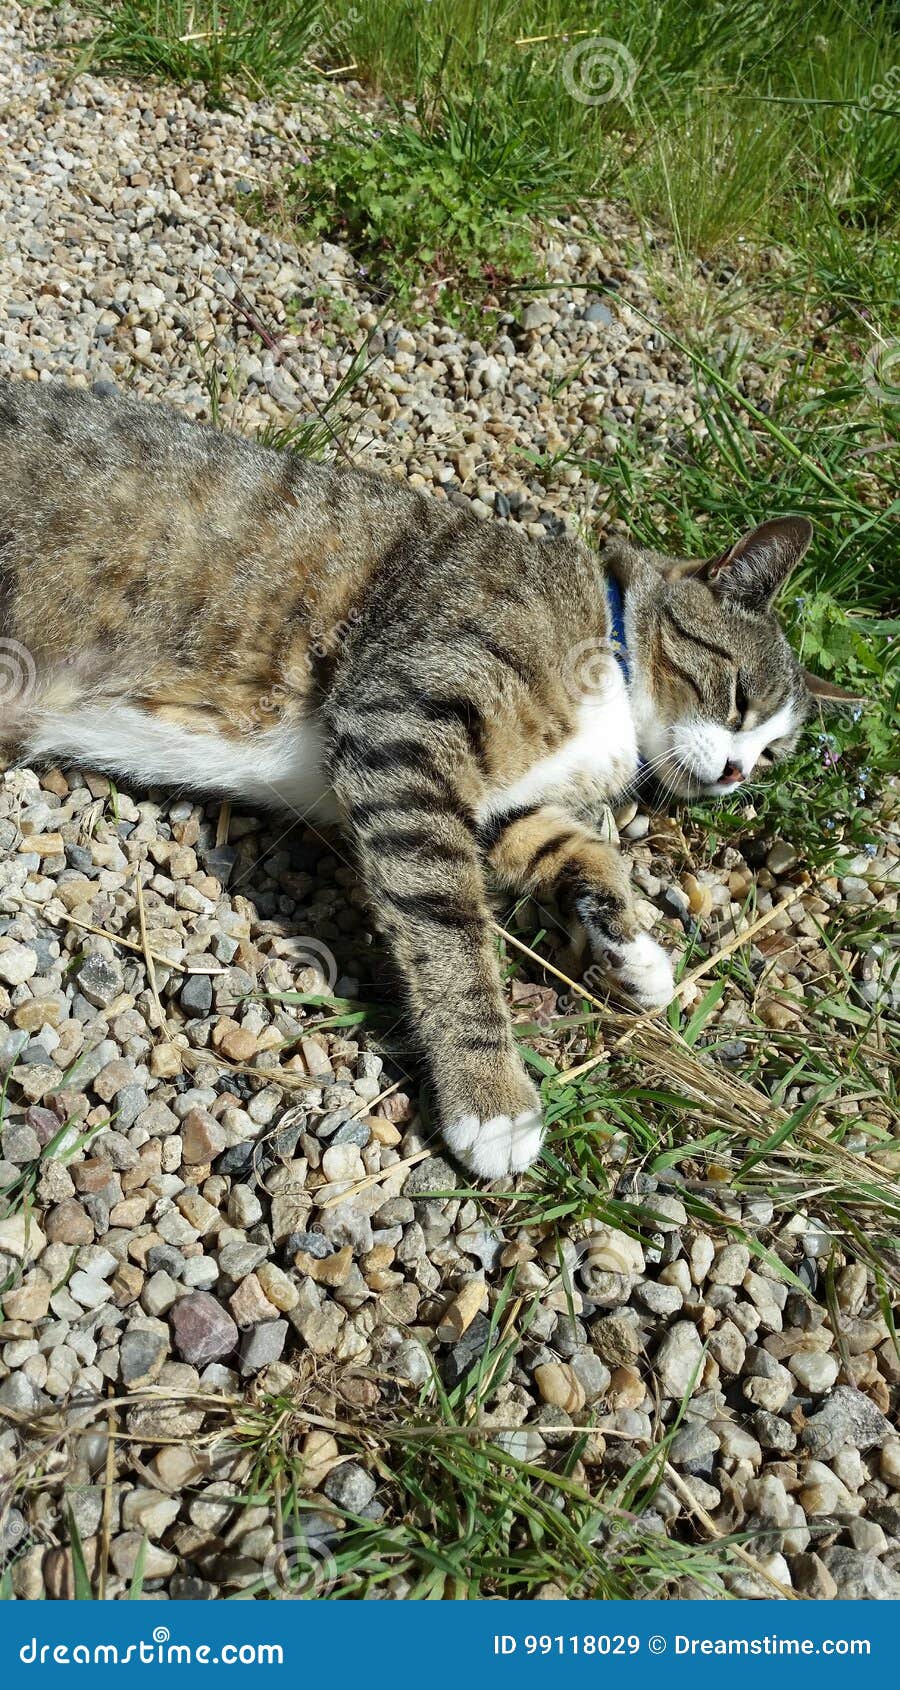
x=222 y=44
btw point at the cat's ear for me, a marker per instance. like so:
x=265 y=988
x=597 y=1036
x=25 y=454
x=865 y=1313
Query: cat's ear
x=827 y=693
x=755 y=568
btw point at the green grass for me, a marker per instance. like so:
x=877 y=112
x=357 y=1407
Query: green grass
x=757 y=125
x=222 y=44
x=439 y=205
x=466 y=1519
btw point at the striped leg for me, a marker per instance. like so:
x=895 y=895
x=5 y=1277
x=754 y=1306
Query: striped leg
x=420 y=862
x=543 y=850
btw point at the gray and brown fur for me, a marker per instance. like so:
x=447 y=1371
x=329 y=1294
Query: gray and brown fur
x=149 y=562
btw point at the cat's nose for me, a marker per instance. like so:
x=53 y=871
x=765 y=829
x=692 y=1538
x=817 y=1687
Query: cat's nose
x=731 y=774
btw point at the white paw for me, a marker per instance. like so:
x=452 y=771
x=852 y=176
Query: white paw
x=644 y=969
x=504 y=1144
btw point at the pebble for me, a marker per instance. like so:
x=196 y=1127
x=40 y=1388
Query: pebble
x=202 y=1137
x=101 y=980
x=249 y=1303
x=781 y=858
x=202 y=1329
x=678 y=1359
x=142 y=1353
x=848 y=1417
x=814 y=1371
x=21 y=1236
x=729 y=1265
x=262 y=1344
x=17 y=963
x=350 y=1487
x=560 y=1386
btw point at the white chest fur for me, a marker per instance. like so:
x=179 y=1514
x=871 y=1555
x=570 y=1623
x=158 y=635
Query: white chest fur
x=601 y=757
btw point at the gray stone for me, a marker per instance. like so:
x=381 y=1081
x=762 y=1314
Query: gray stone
x=774 y=1433
x=17 y=964
x=238 y=1259
x=101 y=980
x=196 y=995
x=693 y=1447
x=592 y=1374
x=262 y=1344
x=730 y=1265
x=815 y=1370
x=679 y=1359
x=130 y=1102
x=86 y=1505
x=20 y=1143
x=411 y=1362
x=311 y=1243
x=141 y=1355
x=538 y=315
x=471 y=1346
x=432 y=1175
x=848 y=1418
x=353 y=1133
x=18 y=1391
x=659 y=1298
x=860 y=1577
x=350 y=1487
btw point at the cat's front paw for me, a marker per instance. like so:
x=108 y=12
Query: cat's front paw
x=642 y=968
x=497 y=1145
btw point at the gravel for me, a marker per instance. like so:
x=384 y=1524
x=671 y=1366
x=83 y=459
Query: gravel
x=188 y=1235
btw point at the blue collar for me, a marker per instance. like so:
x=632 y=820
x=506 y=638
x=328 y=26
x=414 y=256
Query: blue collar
x=616 y=607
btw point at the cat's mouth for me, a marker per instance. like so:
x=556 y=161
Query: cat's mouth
x=676 y=781
x=731 y=777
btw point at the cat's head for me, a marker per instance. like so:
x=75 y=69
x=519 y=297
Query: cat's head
x=717 y=692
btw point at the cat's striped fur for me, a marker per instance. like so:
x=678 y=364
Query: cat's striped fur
x=197 y=609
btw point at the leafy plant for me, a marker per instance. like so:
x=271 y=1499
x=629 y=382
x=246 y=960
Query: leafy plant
x=442 y=204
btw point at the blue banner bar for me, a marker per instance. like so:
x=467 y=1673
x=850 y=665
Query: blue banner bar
x=450 y=1645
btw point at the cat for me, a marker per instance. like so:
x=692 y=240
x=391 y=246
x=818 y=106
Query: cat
x=183 y=606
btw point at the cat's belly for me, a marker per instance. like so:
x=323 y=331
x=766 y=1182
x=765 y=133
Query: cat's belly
x=280 y=767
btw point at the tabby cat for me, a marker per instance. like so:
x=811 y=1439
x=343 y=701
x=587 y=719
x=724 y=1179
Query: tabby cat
x=187 y=607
